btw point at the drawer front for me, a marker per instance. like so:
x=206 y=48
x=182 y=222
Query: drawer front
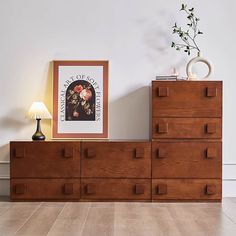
x=187 y=98
x=186 y=159
x=186 y=128
x=116 y=189
x=194 y=189
x=116 y=159
x=45 y=159
x=45 y=189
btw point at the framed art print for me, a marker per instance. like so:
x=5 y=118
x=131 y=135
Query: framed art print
x=80 y=99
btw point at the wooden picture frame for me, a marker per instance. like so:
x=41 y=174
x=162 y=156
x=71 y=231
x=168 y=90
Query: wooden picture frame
x=80 y=99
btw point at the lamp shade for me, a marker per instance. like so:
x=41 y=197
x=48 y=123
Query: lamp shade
x=39 y=111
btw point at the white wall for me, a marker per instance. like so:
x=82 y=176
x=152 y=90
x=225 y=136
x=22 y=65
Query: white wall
x=134 y=35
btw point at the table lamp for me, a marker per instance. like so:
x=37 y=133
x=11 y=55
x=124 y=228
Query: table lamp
x=39 y=111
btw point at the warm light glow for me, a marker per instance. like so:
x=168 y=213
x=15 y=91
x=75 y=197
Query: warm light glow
x=39 y=111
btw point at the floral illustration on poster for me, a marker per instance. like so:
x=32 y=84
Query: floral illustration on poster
x=80 y=99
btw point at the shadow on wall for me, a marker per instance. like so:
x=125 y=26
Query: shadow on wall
x=5 y=152
x=129 y=116
x=157 y=38
x=13 y=122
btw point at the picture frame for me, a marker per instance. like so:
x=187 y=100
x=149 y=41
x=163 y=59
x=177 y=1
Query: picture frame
x=80 y=100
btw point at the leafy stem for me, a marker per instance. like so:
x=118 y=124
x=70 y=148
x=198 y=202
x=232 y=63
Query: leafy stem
x=187 y=36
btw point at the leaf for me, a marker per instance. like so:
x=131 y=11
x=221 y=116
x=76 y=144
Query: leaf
x=197 y=19
x=172 y=44
x=199 y=32
x=178 y=48
x=182 y=7
x=192 y=9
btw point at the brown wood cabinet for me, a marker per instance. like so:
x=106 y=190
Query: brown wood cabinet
x=182 y=162
x=186 y=140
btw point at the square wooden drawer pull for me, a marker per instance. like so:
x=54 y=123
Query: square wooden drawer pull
x=211 y=128
x=161 y=189
x=211 y=153
x=161 y=153
x=139 y=152
x=20 y=152
x=90 y=153
x=139 y=189
x=68 y=188
x=20 y=188
x=90 y=189
x=163 y=92
x=162 y=128
x=210 y=189
x=211 y=92
x=69 y=152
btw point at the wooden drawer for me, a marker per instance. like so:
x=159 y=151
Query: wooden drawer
x=116 y=189
x=45 y=189
x=186 y=128
x=187 y=98
x=192 y=189
x=186 y=159
x=45 y=159
x=116 y=159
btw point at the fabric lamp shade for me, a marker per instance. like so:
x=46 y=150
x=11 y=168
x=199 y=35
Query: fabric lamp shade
x=39 y=111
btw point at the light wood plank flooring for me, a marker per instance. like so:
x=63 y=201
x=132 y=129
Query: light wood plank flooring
x=118 y=219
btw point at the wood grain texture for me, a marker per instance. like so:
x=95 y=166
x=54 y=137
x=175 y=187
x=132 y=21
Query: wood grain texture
x=186 y=159
x=116 y=189
x=41 y=221
x=187 y=128
x=116 y=159
x=187 y=189
x=187 y=98
x=46 y=189
x=45 y=159
x=119 y=219
x=71 y=220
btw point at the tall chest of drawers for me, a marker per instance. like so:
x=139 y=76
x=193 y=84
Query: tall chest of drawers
x=186 y=140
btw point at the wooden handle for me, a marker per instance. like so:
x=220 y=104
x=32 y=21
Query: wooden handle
x=211 y=153
x=210 y=189
x=211 y=92
x=90 y=153
x=161 y=189
x=139 y=189
x=162 y=128
x=68 y=152
x=89 y=189
x=161 y=153
x=20 y=188
x=163 y=92
x=68 y=188
x=139 y=153
x=211 y=128
x=20 y=152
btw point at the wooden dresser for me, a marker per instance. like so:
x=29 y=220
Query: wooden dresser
x=186 y=140
x=182 y=162
x=85 y=171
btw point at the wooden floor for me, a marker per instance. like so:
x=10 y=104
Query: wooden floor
x=120 y=219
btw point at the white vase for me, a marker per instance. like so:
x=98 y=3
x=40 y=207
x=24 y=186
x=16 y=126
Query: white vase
x=193 y=61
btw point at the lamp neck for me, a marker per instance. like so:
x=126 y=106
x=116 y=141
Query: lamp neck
x=38 y=125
